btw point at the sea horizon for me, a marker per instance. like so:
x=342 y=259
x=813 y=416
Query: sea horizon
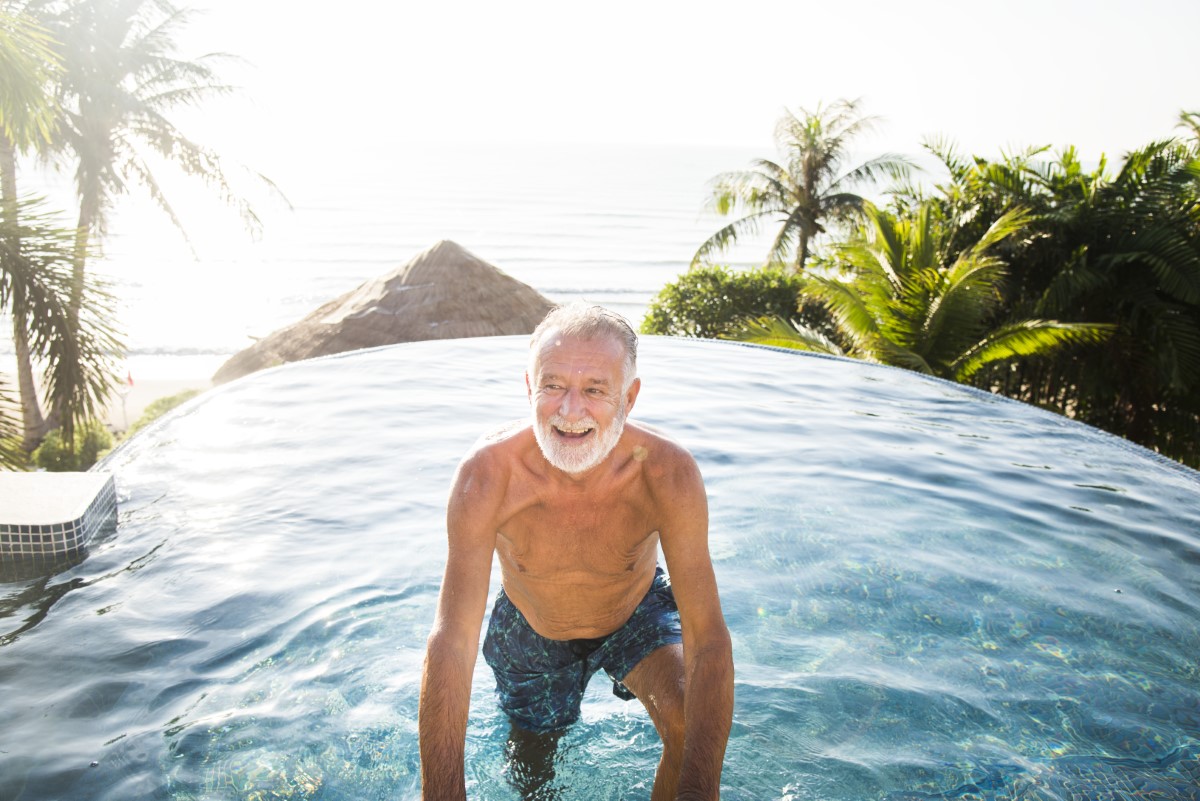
x=611 y=224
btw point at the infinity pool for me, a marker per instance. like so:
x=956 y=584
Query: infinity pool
x=933 y=593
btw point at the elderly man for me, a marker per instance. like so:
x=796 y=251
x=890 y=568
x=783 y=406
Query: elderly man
x=576 y=504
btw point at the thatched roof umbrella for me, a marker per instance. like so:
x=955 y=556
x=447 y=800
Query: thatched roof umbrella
x=444 y=293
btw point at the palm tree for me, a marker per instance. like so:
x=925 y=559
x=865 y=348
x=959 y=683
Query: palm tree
x=75 y=348
x=27 y=65
x=1191 y=121
x=807 y=188
x=1124 y=250
x=910 y=301
x=35 y=286
x=1130 y=250
x=121 y=80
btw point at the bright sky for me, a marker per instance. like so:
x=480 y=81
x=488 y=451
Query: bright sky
x=1105 y=75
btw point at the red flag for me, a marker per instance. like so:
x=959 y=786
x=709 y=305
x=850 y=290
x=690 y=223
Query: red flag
x=129 y=378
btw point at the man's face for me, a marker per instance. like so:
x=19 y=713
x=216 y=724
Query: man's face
x=577 y=390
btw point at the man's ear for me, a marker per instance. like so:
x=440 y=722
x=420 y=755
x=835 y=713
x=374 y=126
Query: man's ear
x=631 y=394
x=528 y=387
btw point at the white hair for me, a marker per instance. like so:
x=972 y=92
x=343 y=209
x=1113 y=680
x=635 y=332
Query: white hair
x=588 y=322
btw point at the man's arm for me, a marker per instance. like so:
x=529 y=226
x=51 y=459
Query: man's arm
x=707 y=652
x=454 y=642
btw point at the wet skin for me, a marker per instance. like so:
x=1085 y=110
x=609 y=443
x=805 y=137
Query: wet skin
x=577 y=550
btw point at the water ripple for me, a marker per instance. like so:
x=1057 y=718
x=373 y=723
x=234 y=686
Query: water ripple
x=932 y=593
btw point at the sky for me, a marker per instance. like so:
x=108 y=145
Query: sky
x=1104 y=76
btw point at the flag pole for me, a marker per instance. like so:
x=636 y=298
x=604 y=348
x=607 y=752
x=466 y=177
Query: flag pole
x=124 y=393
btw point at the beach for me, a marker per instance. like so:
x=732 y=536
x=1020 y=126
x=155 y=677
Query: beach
x=147 y=378
x=128 y=403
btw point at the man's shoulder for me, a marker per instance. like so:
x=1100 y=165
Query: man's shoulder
x=485 y=473
x=504 y=434
x=500 y=444
x=657 y=448
x=651 y=434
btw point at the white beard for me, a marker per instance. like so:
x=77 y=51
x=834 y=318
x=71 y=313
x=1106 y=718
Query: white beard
x=577 y=457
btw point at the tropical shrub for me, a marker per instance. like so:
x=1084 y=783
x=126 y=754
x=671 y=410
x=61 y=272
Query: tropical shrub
x=92 y=441
x=159 y=407
x=1122 y=250
x=907 y=298
x=711 y=302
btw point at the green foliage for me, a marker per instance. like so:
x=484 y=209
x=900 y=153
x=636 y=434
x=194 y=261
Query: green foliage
x=36 y=284
x=12 y=457
x=905 y=297
x=27 y=65
x=92 y=441
x=711 y=301
x=159 y=407
x=779 y=333
x=1121 y=250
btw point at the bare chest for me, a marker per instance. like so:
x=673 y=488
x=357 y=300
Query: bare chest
x=606 y=536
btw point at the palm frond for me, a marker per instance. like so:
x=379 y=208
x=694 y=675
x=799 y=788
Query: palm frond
x=727 y=236
x=11 y=457
x=1007 y=225
x=853 y=314
x=889 y=352
x=894 y=166
x=1174 y=260
x=961 y=304
x=780 y=333
x=1179 y=356
x=1075 y=279
x=27 y=64
x=78 y=349
x=791 y=236
x=1026 y=338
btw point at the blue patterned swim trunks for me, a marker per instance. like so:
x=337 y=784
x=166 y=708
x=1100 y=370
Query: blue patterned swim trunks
x=540 y=682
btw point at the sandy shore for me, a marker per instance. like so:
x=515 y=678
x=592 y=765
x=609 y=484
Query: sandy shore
x=126 y=405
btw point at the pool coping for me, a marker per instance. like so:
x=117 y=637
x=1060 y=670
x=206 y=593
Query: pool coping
x=49 y=517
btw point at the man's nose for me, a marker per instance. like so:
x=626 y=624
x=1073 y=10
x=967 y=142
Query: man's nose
x=571 y=403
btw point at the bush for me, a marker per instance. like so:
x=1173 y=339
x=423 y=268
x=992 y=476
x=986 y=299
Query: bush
x=159 y=407
x=712 y=301
x=92 y=441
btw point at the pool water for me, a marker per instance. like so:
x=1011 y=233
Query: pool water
x=933 y=593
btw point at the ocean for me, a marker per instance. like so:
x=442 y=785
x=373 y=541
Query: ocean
x=607 y=223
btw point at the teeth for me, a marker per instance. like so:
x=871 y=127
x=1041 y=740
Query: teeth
x=577 y=428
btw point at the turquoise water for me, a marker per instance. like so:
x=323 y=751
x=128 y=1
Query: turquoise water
x=932 y=593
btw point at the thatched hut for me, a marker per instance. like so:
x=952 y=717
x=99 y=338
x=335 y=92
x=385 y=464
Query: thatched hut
x=444 y=293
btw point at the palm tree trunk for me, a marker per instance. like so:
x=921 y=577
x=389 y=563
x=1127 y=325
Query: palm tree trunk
x=60 y=416
x=34 y=426
x=802 y=251
x=79 y=261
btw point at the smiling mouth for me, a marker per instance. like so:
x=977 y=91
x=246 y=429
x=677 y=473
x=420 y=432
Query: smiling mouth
x=569 y=434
